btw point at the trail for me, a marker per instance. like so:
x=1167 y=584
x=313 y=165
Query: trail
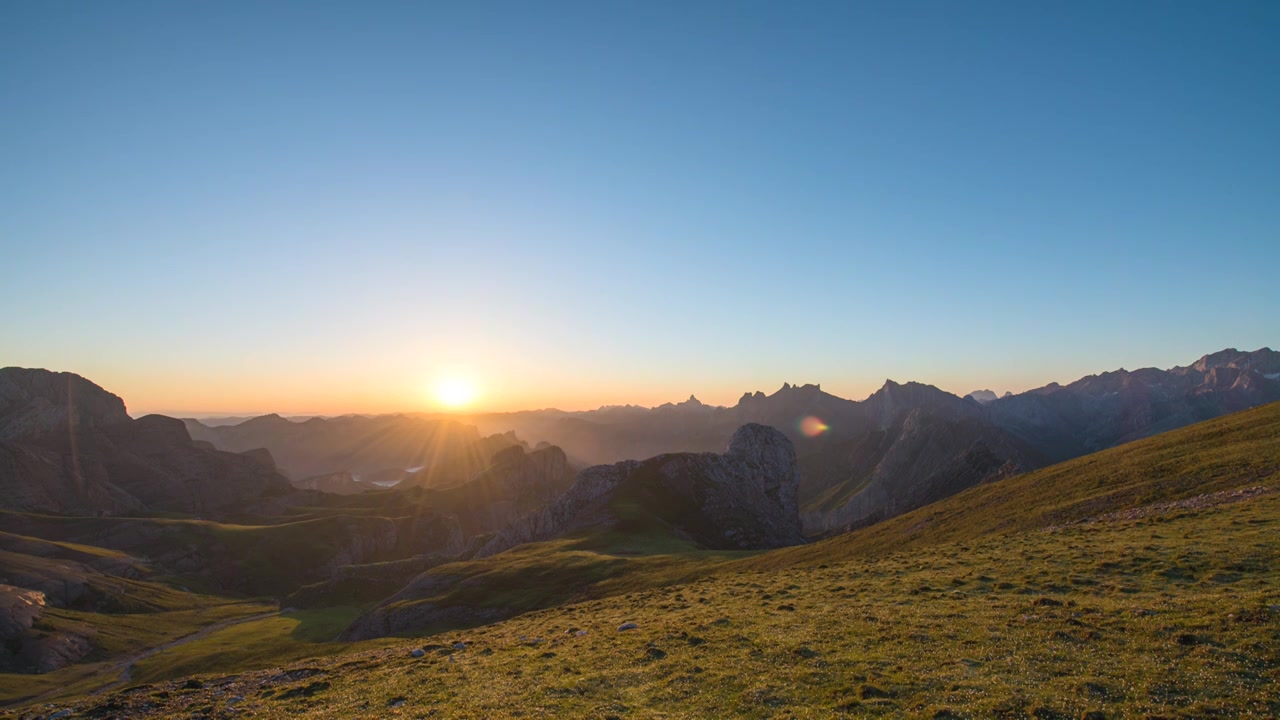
x=124 y=666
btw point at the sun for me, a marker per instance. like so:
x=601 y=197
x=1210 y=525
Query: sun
x=455 y=392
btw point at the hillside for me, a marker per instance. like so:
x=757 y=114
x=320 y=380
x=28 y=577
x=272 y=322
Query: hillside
x=1142 y=581
x=1227 y=453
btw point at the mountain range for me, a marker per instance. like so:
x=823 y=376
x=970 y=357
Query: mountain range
x=904 y=446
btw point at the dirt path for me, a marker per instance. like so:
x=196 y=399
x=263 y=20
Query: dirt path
x=124 y=666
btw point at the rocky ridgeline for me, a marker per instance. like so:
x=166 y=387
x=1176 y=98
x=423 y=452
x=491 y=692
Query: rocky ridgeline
x=68 y=446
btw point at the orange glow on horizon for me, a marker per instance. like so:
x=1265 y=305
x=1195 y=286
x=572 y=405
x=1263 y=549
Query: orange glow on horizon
x=316 y=391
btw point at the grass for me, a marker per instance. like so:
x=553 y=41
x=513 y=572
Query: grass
x=241 y=560
x=116 y=636
x=1176 y=615
x=109 y=593
x=547 y=574
x=255 y=644
x=57 y=549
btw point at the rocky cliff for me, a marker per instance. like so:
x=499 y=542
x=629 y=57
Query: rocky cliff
x=68 y=446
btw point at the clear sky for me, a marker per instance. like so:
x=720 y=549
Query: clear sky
x=327 y=207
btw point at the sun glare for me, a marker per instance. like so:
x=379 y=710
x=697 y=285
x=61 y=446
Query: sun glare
x=455 y=392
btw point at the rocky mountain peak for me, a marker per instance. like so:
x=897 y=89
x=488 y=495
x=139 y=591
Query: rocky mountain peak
x=763 y=446
x=771 y=458
x=1264 y=360
x=508 y=455
x=982 y=396
x=34 y=401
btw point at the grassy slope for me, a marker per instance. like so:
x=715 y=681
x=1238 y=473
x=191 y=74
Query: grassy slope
x=141 y=613
x=118 y=636
x=1176 y=615
x=257 y=644
x=147 y=613
x=969 y=605
x=1228 y=452
x=254 y=559
x=638 y=551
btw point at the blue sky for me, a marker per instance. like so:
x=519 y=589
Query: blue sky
x=327 y=206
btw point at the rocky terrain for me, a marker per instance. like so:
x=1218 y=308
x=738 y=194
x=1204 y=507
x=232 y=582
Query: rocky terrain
x=25 y=647
x=67 y=445
x=919 y=457
x=744 y=499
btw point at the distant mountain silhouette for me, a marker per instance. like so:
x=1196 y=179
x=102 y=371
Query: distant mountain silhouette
x=1100 y=411
x=982 y=396
x=390 y=448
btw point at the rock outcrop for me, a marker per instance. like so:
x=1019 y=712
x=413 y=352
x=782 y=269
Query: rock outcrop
x=27 y=648
x=743 y=499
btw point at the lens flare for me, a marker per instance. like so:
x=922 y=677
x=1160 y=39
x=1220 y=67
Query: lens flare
x=812 y=426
